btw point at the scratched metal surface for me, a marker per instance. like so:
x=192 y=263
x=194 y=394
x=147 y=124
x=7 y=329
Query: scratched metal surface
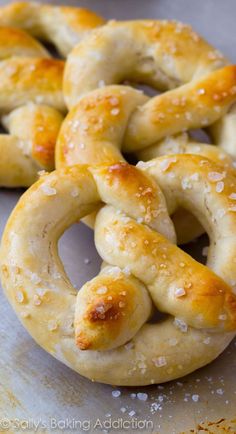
x=36 y=387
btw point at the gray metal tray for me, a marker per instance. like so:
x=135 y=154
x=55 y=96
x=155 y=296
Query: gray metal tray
x=38 y=393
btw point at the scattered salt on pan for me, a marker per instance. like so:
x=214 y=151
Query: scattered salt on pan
x=179 y=292
x=132 y=413
x=180 y=324
x=219 y=187
x=142 y=396
x=87 y=261
x=123 y=409
x=195 y=398
x=160 y=361
x=48 y=190
x=102 y=290
x=116 y=393
x=220 y=391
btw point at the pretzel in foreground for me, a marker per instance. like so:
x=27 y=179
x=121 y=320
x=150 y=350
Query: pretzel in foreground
x=103 y=331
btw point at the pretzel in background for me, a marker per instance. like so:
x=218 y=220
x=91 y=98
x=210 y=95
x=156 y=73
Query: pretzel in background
x=31 y=100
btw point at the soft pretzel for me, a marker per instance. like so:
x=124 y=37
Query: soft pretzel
x=63 y=26
x=31 y=81
x=31 y=103
x=165 y=55
x=95 y=131
x=102 y=331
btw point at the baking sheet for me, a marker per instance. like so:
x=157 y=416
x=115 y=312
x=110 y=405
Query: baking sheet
x=38 y=393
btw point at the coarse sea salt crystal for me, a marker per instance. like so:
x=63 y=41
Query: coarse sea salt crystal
x=19 y=296
x=142 y=396
x=132 y=413
x=116 y=393
x=207 y=340
x=115 y=111
x=220 y=391
x=179 y=292
x=102 y=290
x=165 y=164
x=160 y=361
x=180 y=324
x=232 y=196
x=216 y=176
x=219 y=187
x=48 y=190
x=195 y=398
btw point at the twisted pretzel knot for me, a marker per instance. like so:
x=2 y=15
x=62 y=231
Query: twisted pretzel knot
x=103 y=330
x=31 y=82
x=111 y=310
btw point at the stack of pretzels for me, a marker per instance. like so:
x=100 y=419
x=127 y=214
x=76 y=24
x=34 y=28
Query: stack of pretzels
x=179 y=189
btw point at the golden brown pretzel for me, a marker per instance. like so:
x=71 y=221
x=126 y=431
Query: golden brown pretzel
x=63 y=26
x=31 y=82
x=31 y=106
x=144 y=268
